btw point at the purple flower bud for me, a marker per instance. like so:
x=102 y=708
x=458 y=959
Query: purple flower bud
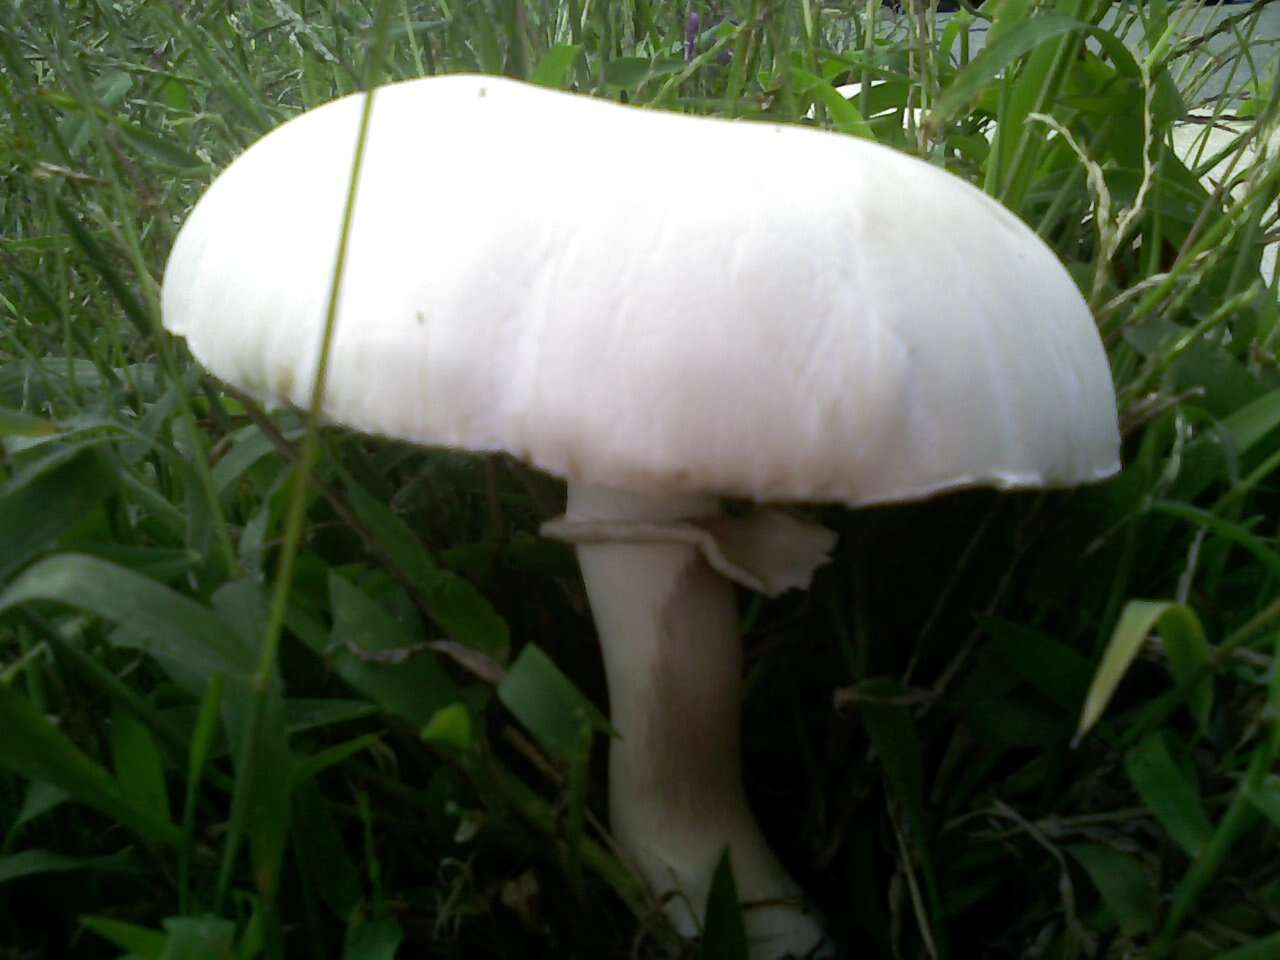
x=691 y=35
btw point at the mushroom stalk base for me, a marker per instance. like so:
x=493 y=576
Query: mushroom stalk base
x=668 y=628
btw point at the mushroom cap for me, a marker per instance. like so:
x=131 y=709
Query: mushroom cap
x=646 y=300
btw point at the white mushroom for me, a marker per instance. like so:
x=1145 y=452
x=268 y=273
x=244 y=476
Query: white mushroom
x=662 y=310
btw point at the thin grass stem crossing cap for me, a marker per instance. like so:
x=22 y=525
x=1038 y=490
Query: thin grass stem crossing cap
x=648 y=301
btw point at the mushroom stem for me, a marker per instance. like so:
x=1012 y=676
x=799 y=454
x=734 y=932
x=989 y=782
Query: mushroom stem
x=668 y=629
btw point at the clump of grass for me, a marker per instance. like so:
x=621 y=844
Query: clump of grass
x=999 y=726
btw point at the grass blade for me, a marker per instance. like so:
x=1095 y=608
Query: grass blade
x=34 y=749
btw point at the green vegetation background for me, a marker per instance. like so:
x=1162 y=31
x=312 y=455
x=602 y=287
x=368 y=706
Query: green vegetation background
x=268 y=691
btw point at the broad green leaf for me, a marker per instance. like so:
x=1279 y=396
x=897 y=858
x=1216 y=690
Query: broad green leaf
x=1266 y=948
x=383 y=659
x=845 y=116
x=162 y=564
x=466 y=614
x=724 y=931
x=205 y=732
x=894 y=735
x=40 y=799
x=1002 y=49
x=175 y=95
x=14 y=866
x=251 y=446
x=1251 y=424
x=1239 y=433
x=553 y=69
x=453 y=602
x=141 y=942
x=541 y=697
x=305 y=714
x=1169 y=792
x=1184 y=640
x=168 y=153
x=15 y=423
x=629 y=73
x=139 y=765
x=1234 y=532
x=322 y=851
x=33 y=748
x=1125 y=886
x=311 y=766
x=451 y=726
x=256 y=729
x=39 y=506
x=1056 y=671
x=1266 y=797
x=1014 y=722
x=377 y=940
x=186 y=638
x=203 y=737
x=199 y=938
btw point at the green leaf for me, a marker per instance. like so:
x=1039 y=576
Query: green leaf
x=255 y=721
x=564 y=722
x=1169 y=791
x=199 y=938
x=453 y=602
x=251 y=446
x=897 y=743
x=894 y=735
x=630 y=73
x=378 y=940
x=1267 y=948
x=14 y=423
x=1239 y=433
x=142 y=943
x=203 y=736
x=1057 y=672
x=322 y=853
x=139 y=765
x=1253 y=423
x=1002 y=49
x=724 y=931
x=541 y=697
x=450 y=726
x=39 y=506
x=1266 y=797
x=33 y=748
x=1184 y=639
x=845 y=116
x=381 y=657
x=1234 y=532
x=1124 y=885
x=165 y=151
x=175 y=95
x=306 y=714
x=155 y=563
x=41 y=798
x=553 y=70
x=186 y=638
x=28 y=863
x=314 y=764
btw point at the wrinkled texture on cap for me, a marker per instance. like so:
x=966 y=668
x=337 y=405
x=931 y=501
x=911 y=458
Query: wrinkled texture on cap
x=647 y=301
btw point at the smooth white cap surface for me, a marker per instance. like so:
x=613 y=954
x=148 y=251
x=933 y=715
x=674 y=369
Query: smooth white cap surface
x=647 y=301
